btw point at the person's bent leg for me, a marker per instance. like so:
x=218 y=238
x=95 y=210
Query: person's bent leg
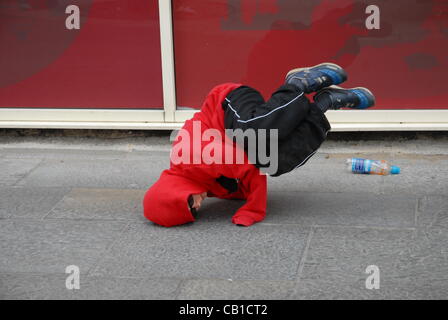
x=301 y=125
x=335 y=98
x=303 y=142
x=245 y=109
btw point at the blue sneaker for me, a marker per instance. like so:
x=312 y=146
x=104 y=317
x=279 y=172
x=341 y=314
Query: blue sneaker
x=336 y=98
x=316 y=78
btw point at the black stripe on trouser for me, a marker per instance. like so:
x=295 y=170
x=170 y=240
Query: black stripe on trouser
x=301 y=126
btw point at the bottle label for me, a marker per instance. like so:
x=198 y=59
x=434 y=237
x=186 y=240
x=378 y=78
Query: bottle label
x=361 y=165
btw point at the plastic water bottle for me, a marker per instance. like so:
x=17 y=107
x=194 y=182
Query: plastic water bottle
x=365 y=166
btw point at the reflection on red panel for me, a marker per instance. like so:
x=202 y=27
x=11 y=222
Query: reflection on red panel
x=257 y=41
x=113 y=61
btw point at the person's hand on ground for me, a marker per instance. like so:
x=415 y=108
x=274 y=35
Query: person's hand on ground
x=197 y=200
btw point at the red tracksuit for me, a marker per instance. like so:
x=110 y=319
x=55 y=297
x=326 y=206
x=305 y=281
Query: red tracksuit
x=166 y=202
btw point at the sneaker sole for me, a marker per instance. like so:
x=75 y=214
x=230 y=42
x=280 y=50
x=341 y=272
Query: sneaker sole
x=319 y=65
x=357 y=88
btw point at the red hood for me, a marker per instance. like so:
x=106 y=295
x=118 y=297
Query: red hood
x=170 y=195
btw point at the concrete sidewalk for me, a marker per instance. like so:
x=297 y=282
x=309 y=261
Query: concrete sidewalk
x=69 y=202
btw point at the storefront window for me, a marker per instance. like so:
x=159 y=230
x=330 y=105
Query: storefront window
x=398 y=49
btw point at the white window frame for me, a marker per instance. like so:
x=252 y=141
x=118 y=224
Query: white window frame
x=171 y=118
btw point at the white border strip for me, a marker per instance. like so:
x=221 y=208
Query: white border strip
x=168 y=66
x=388 y=116
x=365 y=120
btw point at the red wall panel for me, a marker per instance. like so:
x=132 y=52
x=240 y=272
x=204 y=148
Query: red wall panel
x=257 y=41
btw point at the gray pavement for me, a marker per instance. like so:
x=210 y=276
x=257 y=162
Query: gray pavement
x=78 y=202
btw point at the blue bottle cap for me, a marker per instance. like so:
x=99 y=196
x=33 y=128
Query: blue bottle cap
x=395 y=170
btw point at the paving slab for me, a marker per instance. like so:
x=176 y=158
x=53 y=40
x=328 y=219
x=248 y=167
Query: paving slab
x=355 y=209
x=235 y=290
x=354 y=289
x=50 y=246
x=61 y=153
x=419 y=177
x=411 y=265
x=52 y=287
x=433 y=212
x=428 y=256
x=311 y=208
x=218 y=210
x=206 y=250
x=320 y=174
x=104 y=204
x=29 y=203
x=13 y=170
x=97 y=173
